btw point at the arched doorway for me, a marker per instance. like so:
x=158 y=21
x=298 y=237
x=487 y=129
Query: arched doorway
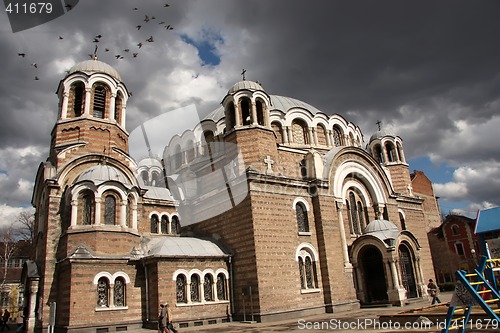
x=407 y=272
x=372 y=267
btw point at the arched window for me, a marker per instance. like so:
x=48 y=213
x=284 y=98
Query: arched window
x=307 y=269
x=177 y=157
x=377 y=154
x=154 y=224
x=190 y=151
x=260 y=112
x=337 y=137
x=156 y=179
x=99 y=102
x=88 y=208
x=129 y=212
x=221 y=287
x=181 y=289
x=455 y=230
x=119 y=292
x=245 y=111
x=400 y=153
x=145 y=177
x=230 y=116
x=110 y=210
x=361 y=215
x=277 y=131
x=103 y=292
x=299 y=132
x=209 y=141
x=78 y=94
x=164 y=224
x=195 y=288
x=174 y=226
x=208 y=288
x=321 y=135
x=302 y=219
x=354 y=214
x=391 y=153
x=118 y=108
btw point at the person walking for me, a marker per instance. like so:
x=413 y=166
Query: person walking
x=162 y=319
x=5 y=320
x=170 y=325
x=433 y=291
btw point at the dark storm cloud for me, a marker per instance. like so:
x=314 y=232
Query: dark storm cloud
x=428 y=69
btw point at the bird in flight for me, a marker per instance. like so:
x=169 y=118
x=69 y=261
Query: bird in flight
x=135 y=55
x=95 y=40
x=146 y=19
x=126 y=50
x=139 y=27
x=60 y=37
x=135 y=8
x=36 y=78
x=139 y=44
x=106 y=50
x=150 y=39
x=22 y=54
x=169 y=27
x=98 y=36
x=166 y=5
x=34 y=65
x=118 y=56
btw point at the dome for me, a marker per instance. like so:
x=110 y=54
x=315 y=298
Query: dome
x=382 y=229
x=380 y=134
x=95 y=66
x=181 y=247
x=245 y=85
x=149 y=162
x=102 y=173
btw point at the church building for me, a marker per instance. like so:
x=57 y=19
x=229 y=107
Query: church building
x=267 y=209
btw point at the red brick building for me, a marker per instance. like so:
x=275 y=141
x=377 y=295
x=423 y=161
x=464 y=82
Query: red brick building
x=268 y=208
x=454 y=246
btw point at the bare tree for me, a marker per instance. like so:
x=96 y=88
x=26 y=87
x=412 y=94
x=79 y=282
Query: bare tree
x=26 y=221
x=8 y=246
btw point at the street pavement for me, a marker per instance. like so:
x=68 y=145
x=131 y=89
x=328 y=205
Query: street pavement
x=362 y=320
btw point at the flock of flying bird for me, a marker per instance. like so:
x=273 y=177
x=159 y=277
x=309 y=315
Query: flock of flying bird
x=97 y=40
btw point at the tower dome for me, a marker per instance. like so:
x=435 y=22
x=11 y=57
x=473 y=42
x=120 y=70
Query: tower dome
x=245 y=85
x=95 y=66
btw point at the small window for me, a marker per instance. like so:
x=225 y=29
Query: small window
x=307 y=270
x=460 y=249
x=154 y=224
x=302 y=219
x=195 y=288
x=110 y=210
x=260 y=113
x=337 y=137
x=181 y=288
x=455 y=230
x=103 y=292
x=174 y=226
x=221 y=287
x=88 y=207
x=119 y=292
x=78 y=92
x=164 y=224
x=99 y=102
x=208 y=288
x=245 y=111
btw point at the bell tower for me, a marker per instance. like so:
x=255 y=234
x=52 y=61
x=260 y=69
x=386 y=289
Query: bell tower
x=387 y=149
x=92 y=112
x=246 y=109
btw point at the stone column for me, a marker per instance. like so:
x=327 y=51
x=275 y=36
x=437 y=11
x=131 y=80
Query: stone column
x=97 y=218
x=284 y=132
x=123 y=113
x=30 y=321
x=343 y=240
x=328 y=138
x=254 y=113
x=134 y=216
x=86 y=109
x=315 y=135
x=237 y=115
x=74 y=212
x=112 y=104
x=310 y=134
x=123 y=213
x=290 y=134
x=64 y=106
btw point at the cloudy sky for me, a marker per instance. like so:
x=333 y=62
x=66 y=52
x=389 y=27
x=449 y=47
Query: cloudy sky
x=429 y=70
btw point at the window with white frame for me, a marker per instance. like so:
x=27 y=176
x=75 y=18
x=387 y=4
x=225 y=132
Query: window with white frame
x=111 y=290
x=308 y=275
x=196 y=287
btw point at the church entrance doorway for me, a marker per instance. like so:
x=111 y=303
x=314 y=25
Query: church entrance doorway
x=373 y=274
x=407 y=275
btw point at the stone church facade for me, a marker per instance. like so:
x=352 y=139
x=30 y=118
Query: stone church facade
x=267 y=209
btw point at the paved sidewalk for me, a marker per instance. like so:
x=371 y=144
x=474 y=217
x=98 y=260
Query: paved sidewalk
x=365 y=319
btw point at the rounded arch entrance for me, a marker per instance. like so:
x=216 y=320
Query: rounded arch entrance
x=373 y=274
